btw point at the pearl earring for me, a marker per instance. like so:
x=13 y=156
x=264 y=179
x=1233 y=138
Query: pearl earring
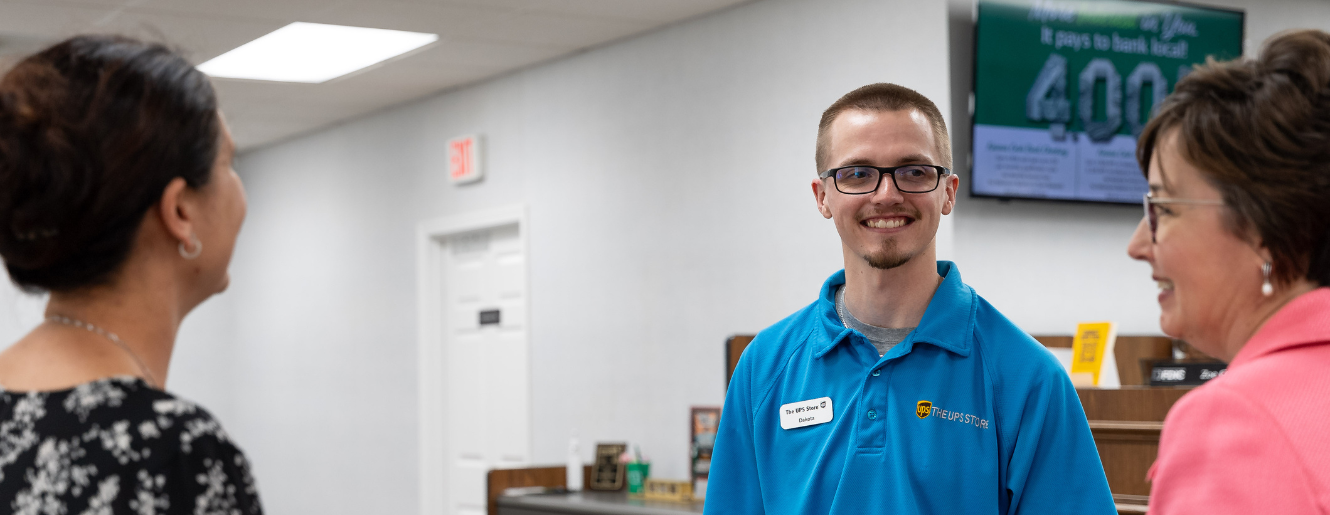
x=1266 y=288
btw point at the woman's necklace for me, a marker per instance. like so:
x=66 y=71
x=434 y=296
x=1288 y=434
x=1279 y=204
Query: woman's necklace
x=114 y=338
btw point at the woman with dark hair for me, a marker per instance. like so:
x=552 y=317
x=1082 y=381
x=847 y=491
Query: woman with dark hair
x=1237 y=233
x=118 y=198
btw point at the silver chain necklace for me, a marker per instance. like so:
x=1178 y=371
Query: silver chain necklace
x=840 y=301
x=114 y=338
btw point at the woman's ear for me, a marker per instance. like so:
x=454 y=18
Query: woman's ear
x=1257 y=243
x=1265 y=254
x=176 y=210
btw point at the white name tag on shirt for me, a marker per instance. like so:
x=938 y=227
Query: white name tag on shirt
x=805 y=413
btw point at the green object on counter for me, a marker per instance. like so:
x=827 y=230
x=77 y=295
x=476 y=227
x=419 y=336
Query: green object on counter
x=637 y=476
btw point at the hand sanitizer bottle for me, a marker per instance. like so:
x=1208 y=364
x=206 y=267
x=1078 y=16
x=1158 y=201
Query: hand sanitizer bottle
x=574 y=473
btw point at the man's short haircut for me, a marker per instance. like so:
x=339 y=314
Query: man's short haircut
x=884 y=97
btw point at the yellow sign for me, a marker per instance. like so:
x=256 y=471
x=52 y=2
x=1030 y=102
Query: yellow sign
x=1091 y=348
x=923 y=409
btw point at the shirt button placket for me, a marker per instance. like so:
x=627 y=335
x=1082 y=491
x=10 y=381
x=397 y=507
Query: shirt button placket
x=872 y=413
x=872 y=434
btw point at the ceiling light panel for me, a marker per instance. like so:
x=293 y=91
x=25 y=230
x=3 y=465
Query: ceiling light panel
x=313 y=52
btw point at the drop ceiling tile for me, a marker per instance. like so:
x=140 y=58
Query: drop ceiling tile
x=194 y=34
x=284 y=11
x=14 y=44
x=410 y=82
x=251 y=105
x=96 y=4
x=56 y=21
x=244 y=95
x=563 y=30
x=493 y=55
x=446 y=20
x=200 y=37
x=653 y=11
x=483 y=23
x=378 y=89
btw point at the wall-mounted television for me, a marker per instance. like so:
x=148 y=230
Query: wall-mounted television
x=1062 y=88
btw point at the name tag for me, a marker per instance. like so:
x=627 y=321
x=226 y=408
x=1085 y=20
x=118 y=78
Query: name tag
x=805 y=413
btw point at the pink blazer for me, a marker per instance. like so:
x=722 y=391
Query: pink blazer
x=1255 y=440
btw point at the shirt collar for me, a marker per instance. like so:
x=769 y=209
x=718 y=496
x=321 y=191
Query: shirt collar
x=1305 y=319
x=947 y=322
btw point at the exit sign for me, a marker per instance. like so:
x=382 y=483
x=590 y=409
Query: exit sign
x=464 y=163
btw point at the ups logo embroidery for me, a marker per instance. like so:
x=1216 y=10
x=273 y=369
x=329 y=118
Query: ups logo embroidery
x=923 y=409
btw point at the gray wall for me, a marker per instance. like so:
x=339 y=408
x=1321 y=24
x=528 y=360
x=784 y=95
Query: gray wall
x=666 y=182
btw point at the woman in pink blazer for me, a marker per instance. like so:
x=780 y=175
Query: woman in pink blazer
x=1237 y=234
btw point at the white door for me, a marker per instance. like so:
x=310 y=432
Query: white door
x=488 y=412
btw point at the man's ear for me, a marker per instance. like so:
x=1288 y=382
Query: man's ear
x=952 y=184
x=820 y=196
x=176 y=210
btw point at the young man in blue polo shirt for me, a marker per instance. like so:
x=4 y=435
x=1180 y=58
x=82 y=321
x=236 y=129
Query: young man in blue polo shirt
x=899 y=390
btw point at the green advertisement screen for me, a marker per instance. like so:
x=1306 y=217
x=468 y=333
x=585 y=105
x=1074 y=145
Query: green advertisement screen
x=1063 y=88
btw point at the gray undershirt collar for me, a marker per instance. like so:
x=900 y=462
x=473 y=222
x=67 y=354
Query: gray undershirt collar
x=884 y=338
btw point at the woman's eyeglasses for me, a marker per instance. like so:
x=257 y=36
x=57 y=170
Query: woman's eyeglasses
x=1151 y=205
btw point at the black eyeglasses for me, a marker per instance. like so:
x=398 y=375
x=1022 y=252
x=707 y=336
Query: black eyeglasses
x=860 y=179
x=1152 y=208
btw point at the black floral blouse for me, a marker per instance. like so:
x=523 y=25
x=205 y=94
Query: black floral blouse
x=117 y=446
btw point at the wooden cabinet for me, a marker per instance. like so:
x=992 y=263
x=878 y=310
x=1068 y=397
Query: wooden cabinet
x=1126 y=423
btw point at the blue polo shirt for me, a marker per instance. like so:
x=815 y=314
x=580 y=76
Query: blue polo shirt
x=968 y=415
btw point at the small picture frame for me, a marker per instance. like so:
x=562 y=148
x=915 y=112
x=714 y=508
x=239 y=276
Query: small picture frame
x=704 y=423
x=667 y=490
x=607 y=473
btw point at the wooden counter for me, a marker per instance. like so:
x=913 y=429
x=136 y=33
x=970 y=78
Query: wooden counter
x=1126 y=423
x=591 y=503
x=619 y=503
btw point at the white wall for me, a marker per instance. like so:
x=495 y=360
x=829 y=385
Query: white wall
x=667 y=182
x=19 y=311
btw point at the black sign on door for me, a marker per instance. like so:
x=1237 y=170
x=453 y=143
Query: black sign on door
x=489 y=317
